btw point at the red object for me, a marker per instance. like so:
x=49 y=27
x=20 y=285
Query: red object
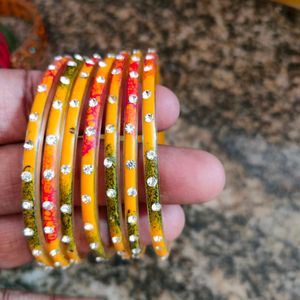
x=4 y=52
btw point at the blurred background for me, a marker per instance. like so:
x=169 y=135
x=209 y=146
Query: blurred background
x=235 y=66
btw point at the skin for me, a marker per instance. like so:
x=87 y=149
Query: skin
x=201 y=177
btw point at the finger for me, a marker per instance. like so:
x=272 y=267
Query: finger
x=12 y=239
x=17 y=89
x=187 y=176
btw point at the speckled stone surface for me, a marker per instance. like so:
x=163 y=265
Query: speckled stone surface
x=235 y=66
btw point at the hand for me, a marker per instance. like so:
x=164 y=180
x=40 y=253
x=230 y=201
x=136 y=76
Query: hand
x=187 y=175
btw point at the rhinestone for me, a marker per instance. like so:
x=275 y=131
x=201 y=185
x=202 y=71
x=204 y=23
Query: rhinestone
x=51 y=67
x=136 y=251
x=129 y=128
x=51 y=139
x=86 y=199
x=152 y=181
x=120 y=57
x=132 y=219
x=134 y=74
x=27 y=205
x=33 y=117
x=99 y=259
x=84 y=74
x=89 y=62
x=102 y=64
x=115 y=71
x=111 y=55
x=66 y=209
x=36 y=252
x=58 y=57
x=48 y=174
x=156 y=207
x=112 y=99
x=109 y=128
x=88 y=226
x=130 y=164
x=158 y=248
x=47 y=205
x=146 y=94
x=116 y=239
x=64 y=80
x=88 y=169
x=28 y=145
x=157 y=238
x=48 y=230
x=57 y=104
x=151 y=50
x=151 y=154
x=28 y=231
x=149 y=57
x=93 y=102
x=132 y=192
x=149 y=118
x=89 y=131
x=72 y=63
x=42 y=88
x=74 y=103
x=54 y=252
x=78 y=57
x=26 y=176
x=133 y=98
x=65 y=169
x=57 y=264
x=96 y=56
x=108 y=162
x=120 y=253
x=111 y=193
x=133 y=238
x=93 y=246
x=100 y=79
x=148 y=68
x=135 y=58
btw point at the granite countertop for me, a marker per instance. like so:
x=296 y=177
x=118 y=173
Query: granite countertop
x=235 y=66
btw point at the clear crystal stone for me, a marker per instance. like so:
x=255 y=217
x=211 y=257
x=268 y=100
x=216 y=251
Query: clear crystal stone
x=111 y=55
x=93 y=246
x=28 y=145
x=134 y=74
x=64 y=80
x=57 y=264
x=112 y=99
x=111 y=193
x=93 y=102
x=66 y=239
x=120 y=57
x=26 y=176
x=116 y=239
x=115 y=71
x=147 y=94
x=42 y=88
x=100 y=79
x=136 y=251
x=66 y=209
x=57 y=104
x=108 y=162
x=88 y=226
x=132 y=219
x=149 y=57
x=151 y=50
x=89 y=61
x=99 y=259
x=132 y=192
x=156 y=207
x=88 y=169
x=48 y=174
x=54 y=252
x=120 y=253
x=89 y=131
x=109 y=128
x=151 y=181
x=86 y=199
x=72 y=63
x=135 y=58
x=149 y=118
x=74 y=103
x=96 y=56
x=78 y=57
x=28 y=231
x=129 y=128
x=151 y=154
x=48 y=230
x=27 y=204
x=133 y=238
x=157 y=238
x=148 y=68
x=133 y=98
x=36 y=252
x=158 y=248
x=51 y=139
x=47 y=205
x=65 y=169
x=84 y=74
x=130 y=164
x=58 y=57
x=102 y=64
x=33 y=117
x=51 y=67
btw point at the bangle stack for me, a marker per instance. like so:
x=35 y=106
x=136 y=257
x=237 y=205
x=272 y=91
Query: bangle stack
x=104 y=93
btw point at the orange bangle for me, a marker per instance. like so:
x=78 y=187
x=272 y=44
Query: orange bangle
x=31 y=161
x=89 y=160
